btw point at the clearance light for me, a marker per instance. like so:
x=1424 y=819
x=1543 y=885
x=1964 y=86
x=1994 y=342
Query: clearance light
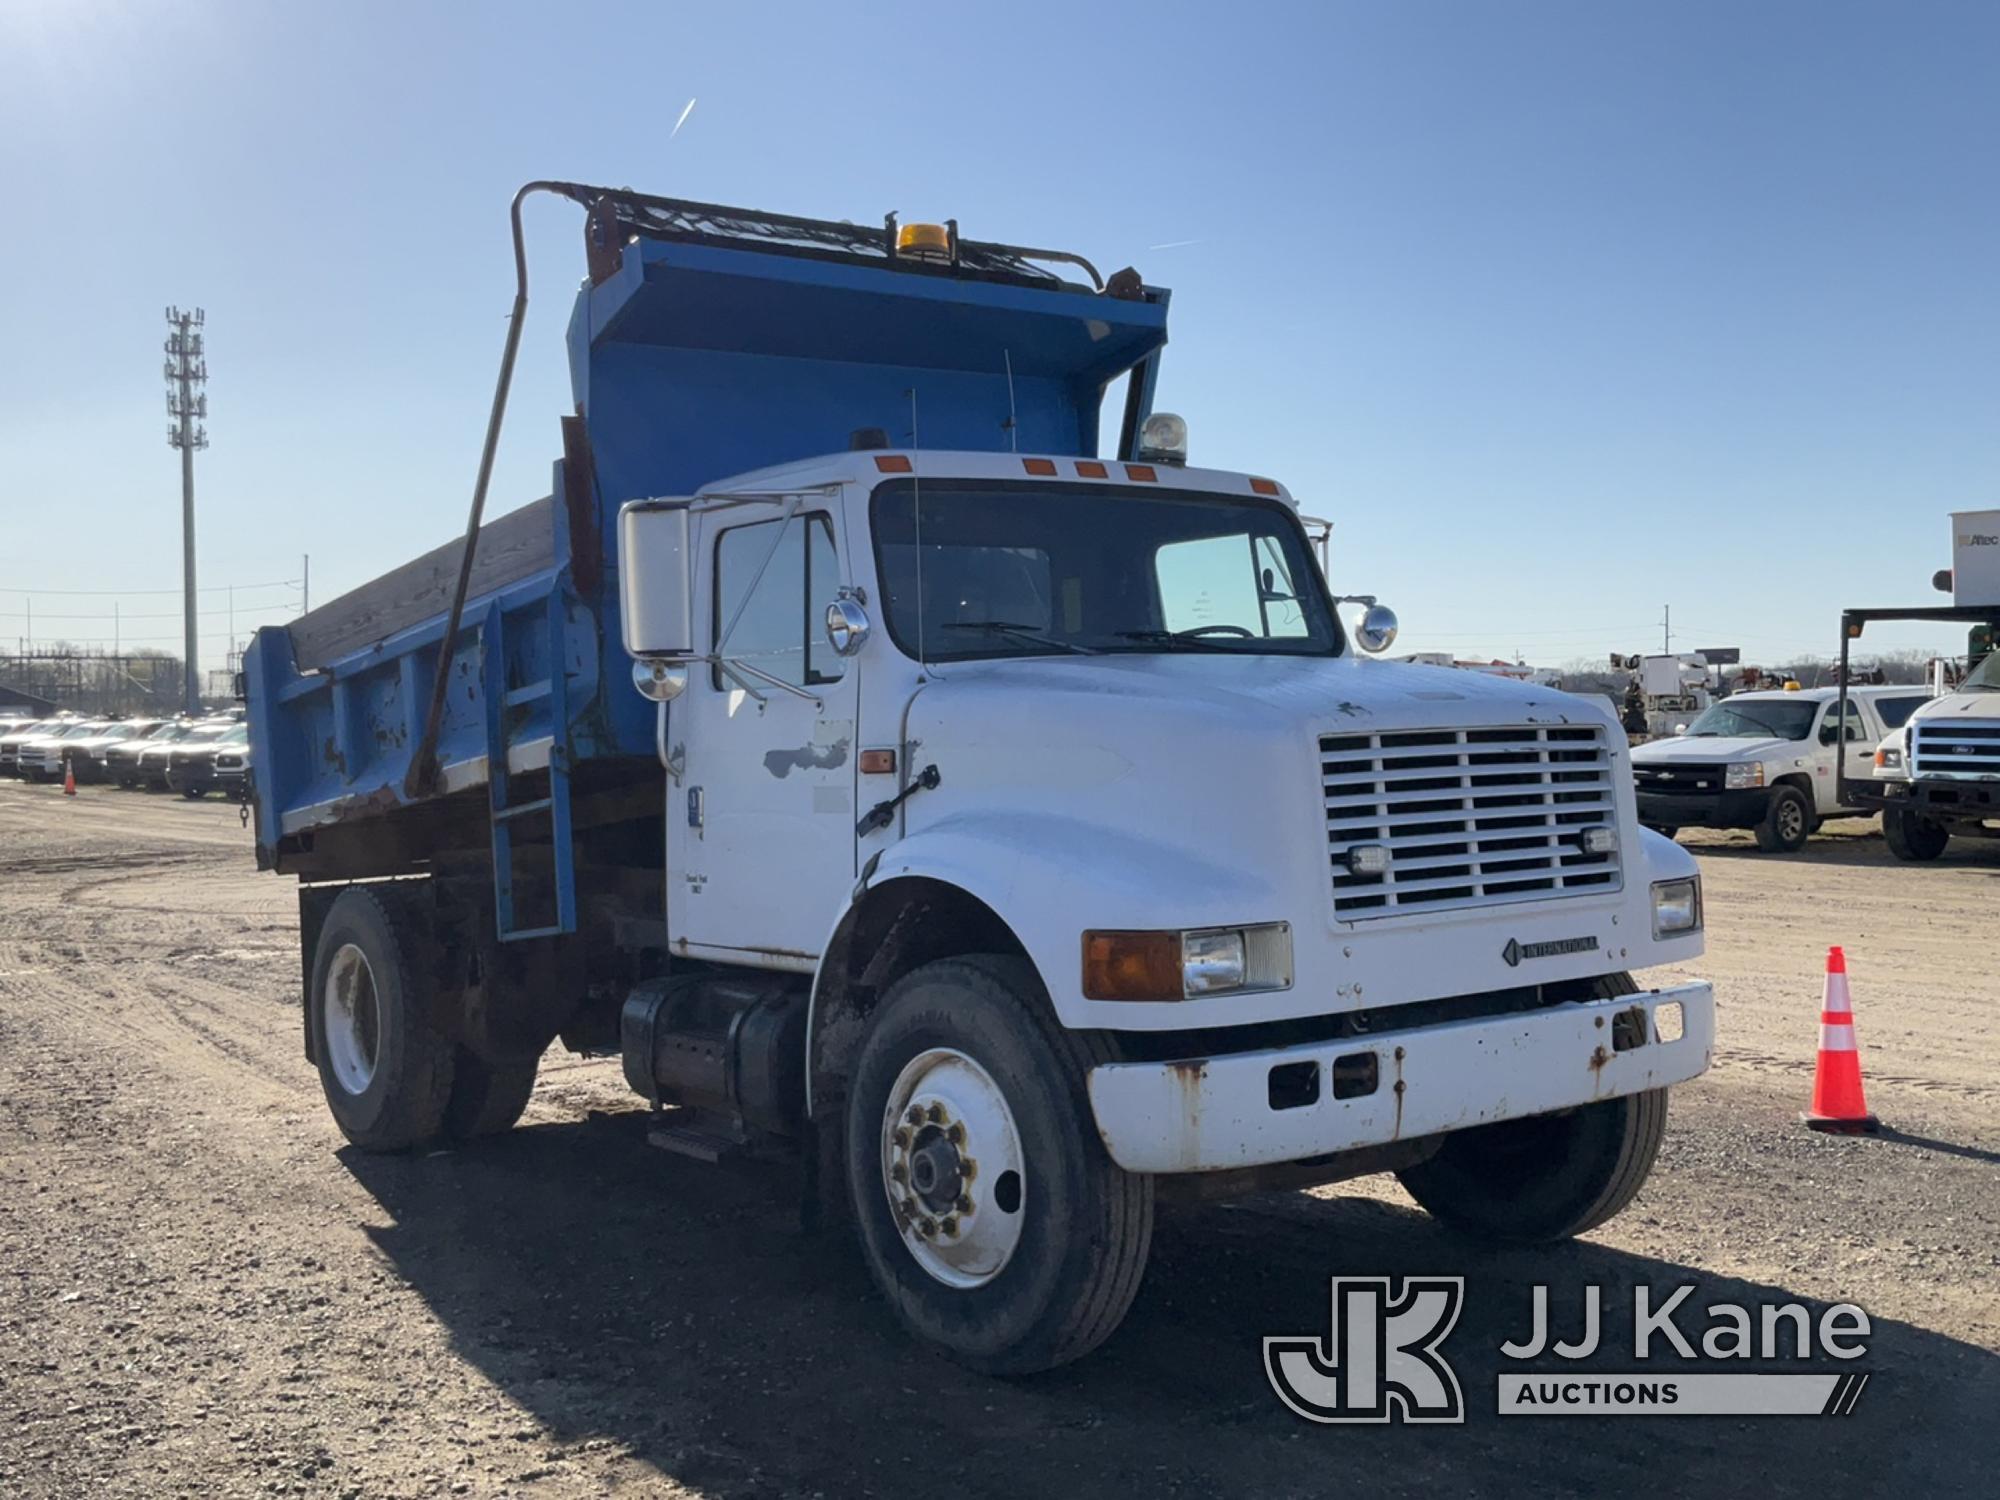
x=892 y=463
x=1140 y=473
x=1090 y=468
x=1264 y=486
x=1039 y=465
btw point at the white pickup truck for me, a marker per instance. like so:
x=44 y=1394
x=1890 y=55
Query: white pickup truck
x=1767 y=761
x=1941 y=770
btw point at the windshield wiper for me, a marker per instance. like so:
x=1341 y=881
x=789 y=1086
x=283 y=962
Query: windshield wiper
x=1019 y=631
x=1185 y=638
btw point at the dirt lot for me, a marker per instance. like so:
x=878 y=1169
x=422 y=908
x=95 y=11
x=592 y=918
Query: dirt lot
x=203 y=1291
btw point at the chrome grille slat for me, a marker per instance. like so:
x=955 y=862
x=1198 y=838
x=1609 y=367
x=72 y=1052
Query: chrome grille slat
x=1471 y=817
x=1961 y=751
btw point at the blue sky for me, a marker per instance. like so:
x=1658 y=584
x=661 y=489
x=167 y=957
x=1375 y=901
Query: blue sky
x=1561 y=311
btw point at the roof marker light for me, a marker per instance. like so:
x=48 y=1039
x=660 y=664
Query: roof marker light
x=1141 y=473
x=1264 y=486
x=892 y=463
x=1090 y=468
x=1039 y=465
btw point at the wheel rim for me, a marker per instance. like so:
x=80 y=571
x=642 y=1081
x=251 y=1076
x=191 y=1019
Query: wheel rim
x=952 y=1168
x=353 y=1019
x=1791 y=821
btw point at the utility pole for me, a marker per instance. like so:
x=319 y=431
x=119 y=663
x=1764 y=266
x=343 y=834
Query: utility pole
x=186 y=372
x=1667 y=629
x=305 y=583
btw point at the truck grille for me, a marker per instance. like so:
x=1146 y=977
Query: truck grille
x=1677 y=780
x=1943 y=748
x=1470 y=817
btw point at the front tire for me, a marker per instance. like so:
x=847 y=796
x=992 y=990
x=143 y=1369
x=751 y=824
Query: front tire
x=385 y=1070
x=989 y=1214
x=1911 y=836
x=1787 y=822
x=1548 y=1177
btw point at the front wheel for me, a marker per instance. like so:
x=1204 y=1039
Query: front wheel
x=1912 y=836
x=1548 y=1177
x=1787 y=822
x=991 y=1217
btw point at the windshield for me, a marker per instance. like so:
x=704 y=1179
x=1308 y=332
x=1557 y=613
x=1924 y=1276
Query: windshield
x=79 y=731
x=1756 y=718
x=1985 y=677
x=1039 y=570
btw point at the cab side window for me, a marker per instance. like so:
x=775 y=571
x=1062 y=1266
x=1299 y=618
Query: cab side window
x=780 y=628
x=1896 y=712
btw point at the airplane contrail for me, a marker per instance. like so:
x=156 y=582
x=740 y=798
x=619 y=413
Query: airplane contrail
x=682 y=120
x=1174 y=245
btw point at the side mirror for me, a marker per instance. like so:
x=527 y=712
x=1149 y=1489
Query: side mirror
x=656 y=580
x=846 y=625
x=1829 y=734
x=1377 y=631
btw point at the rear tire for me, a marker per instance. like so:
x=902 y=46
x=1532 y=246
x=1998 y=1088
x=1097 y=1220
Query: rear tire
x=1548 y=1177
x=1911 y=836
x=1047 y=1236
x=1787 y=822
x=486 y=1098
x=385 y=1070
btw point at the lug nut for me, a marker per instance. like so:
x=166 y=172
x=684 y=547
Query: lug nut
x=937 y=1114
x=896 y=1172
x=926 y=1227
x=900 y=1136
x=955 y=1133
x=916 y=1114
x=964 y=1204
x=949 y=1225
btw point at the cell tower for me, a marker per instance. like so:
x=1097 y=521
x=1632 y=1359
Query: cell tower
x=187 y=404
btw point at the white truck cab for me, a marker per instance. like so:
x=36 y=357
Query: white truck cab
x=1941 y=769
x=1767 y=761
x=1247 y=909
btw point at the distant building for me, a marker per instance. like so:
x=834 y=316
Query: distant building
x=13 y=700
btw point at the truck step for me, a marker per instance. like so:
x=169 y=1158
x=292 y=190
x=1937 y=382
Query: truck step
x=692 y=1140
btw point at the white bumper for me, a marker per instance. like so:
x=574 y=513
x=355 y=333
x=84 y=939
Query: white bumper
x=1209 y=1114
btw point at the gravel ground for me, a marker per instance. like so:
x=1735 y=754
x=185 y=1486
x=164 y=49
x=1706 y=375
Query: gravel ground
x=204 y=1291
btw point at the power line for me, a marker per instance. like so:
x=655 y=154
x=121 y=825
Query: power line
x=218 y=588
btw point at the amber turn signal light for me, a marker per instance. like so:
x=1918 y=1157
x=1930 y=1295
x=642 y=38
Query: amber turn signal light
x=1132 y=966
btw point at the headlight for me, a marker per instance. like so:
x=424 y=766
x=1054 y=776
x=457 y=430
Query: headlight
x=1740 y=778
x=1187 y=965
x=1888 y=758
x=1676 y=906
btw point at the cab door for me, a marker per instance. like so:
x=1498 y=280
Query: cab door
x=760 y=842
x=1851 y=743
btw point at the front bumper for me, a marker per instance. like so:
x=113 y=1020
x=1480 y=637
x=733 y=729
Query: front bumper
x=1214 y=1113
x=1744 y=809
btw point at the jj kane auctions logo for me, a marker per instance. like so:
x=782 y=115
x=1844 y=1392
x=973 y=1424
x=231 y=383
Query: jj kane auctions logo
x=1381 y=1359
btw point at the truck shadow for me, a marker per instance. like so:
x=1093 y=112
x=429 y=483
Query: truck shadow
x=618 y=1293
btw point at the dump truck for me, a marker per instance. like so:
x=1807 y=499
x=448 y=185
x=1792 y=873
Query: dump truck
x=997 y=822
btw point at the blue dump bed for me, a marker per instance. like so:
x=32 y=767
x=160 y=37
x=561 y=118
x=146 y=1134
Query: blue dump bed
x=707 y=343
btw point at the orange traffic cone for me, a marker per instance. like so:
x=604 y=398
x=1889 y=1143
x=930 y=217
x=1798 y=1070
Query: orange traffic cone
x=1837 y=1103
x=69 y=778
